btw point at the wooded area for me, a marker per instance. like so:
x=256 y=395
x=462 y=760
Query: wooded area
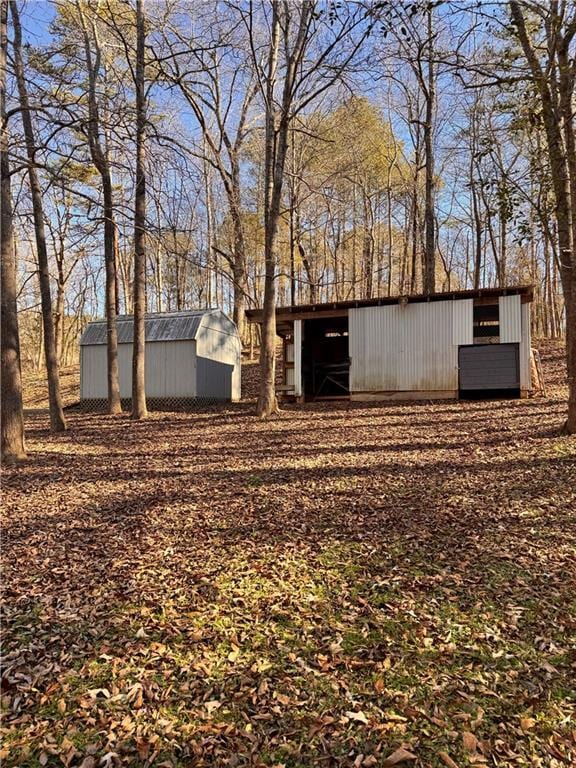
x=379 y=198
x=176 y=155
x=331 y=587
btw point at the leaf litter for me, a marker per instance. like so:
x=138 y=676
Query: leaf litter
x=345 y=585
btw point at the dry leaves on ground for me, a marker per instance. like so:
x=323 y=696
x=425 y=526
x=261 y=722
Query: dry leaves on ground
x=329 y=588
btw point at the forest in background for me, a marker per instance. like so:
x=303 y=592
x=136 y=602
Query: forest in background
x=239 y=155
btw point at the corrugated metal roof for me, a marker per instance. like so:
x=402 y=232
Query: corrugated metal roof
x=168 y=326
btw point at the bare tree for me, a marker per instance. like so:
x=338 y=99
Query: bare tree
x=217 y=81
x=57 y=420
x=413 y=28
x=295 y=66
x=100 y=157
x=12 y=428
x=553 y=70
x=428 y=85
x=139 y=410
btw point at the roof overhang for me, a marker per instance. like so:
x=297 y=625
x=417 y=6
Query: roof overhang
x=340 y=308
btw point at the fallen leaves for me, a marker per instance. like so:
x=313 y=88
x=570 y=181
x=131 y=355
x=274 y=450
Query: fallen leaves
x=400 y=755
x=203 y=588
x=447 y=760
x=470 y=741
x=358 y=717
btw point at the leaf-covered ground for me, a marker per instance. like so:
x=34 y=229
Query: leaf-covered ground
x=342 y=586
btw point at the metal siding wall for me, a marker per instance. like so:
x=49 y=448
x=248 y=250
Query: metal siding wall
x=510 y=319
x=216 y=346
x=214 y=379
x=403 y=348
x=170 y=370
x=94 y=372
x=463 y=321
x=298 y=358
x=525 y=347
x=125 y=369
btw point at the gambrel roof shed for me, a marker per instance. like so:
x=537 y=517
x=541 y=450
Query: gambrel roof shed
x=165 y=326
x=193 y=355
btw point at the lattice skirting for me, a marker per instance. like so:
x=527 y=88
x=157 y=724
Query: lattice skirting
x=153 y=403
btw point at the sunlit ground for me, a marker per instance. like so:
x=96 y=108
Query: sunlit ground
x=329 y=588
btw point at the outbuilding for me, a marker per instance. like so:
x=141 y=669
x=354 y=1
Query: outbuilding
x=191 y=356
x=446 y=345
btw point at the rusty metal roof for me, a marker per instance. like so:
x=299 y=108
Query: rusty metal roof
x=165 y=326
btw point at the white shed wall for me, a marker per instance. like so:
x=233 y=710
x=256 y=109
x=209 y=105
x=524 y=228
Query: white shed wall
x=298 y=358
x=220 y=346
x=510 y=319
x=463 y=321
x=515 y=328
x=170 y=370
x=404 y=348
x=93 y=372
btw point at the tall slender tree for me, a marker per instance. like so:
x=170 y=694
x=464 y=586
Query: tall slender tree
x=139 y=410
x=100 y=157
x=553 y=70
x=12 y=427
x=57 y=419
x=300 y=63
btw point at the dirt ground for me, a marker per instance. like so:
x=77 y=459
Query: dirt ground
x=345 y=585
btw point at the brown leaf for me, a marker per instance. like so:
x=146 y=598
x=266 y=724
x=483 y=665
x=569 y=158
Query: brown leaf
x=447 y=760
x=143 y=747
x=401 y=755
x=527 y=723
x=379 y=685
x=470 y=741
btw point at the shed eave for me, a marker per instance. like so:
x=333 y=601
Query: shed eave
x=340 y=308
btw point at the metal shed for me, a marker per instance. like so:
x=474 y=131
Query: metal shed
x=444 y=345
x=190 y=356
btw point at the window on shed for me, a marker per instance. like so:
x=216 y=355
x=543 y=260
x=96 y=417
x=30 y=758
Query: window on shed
x=486 y=324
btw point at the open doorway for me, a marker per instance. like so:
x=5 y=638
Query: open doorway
x=325 y=358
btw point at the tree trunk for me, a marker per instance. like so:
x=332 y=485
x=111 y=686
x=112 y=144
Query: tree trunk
x=59 y=319
x=12 y=428
x=502 y=266
x=57 y=420
x=429 y=277
x=139 y=410
x=477 y=229
x=559 y=141
x=239 y=264
x=110 y=251
x=267 y=403
x=101 y=162
x=415 y=238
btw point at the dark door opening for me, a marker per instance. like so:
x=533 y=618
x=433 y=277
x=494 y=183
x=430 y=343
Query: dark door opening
x=325 y=358
x=489 y=371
